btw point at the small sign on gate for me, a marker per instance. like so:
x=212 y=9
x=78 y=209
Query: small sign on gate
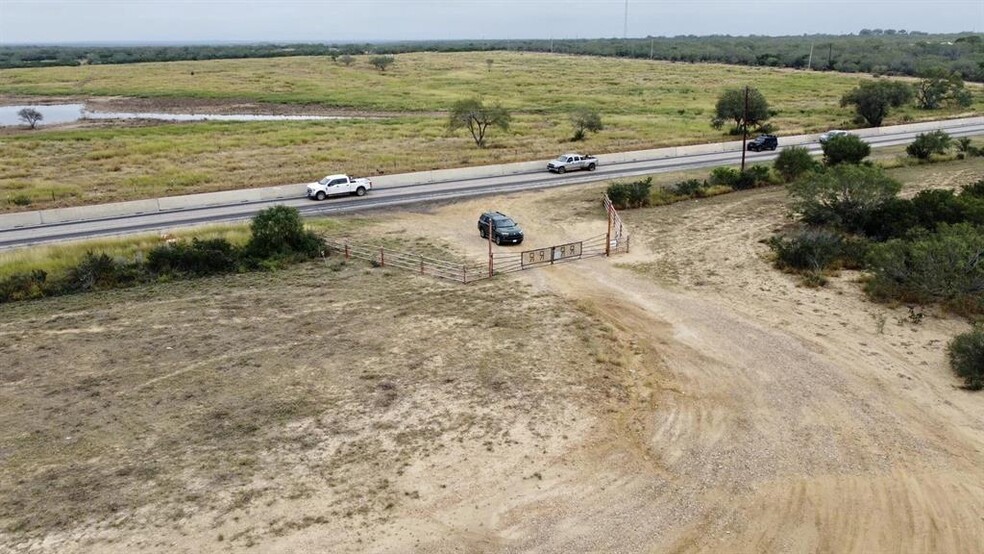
x=551 y=254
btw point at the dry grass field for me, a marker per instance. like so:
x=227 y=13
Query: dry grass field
x=685 y=397
x=643 y=104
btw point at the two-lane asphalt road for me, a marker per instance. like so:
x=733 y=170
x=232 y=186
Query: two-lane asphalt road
x=385 y=197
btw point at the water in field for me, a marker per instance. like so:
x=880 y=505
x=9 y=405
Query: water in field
x=68 y=113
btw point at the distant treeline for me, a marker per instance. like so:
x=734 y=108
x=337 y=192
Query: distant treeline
x=882 y=52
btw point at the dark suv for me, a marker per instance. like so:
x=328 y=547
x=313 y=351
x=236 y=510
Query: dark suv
x=504 y=229
x=763 y=142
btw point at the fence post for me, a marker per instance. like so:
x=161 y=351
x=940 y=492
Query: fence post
x=382 y=258
x=553 y=251
x=491 y=265
x=421 y=265
x=346 y=251
x=627 y=244
x=464 y=274
x=608 y=235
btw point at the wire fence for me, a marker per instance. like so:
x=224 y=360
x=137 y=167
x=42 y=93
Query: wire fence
x=615 y=241
x=465 y=272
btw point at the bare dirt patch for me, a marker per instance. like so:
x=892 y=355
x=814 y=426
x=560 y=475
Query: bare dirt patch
x=684 y=397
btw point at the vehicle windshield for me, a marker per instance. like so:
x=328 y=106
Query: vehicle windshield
x=504 y=222
x=560 y=159
x=324 y=181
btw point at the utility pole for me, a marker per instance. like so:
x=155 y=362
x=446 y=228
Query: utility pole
x=809 y=63
x=744 y=129
x=625 y=24
x=830 y=54
x=652 y=46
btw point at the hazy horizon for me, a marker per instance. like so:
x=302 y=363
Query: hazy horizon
x=178 y=22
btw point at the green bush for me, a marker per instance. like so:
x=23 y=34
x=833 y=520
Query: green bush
x=199 y=258
x=691 y=188
x=927 y=144
x=278 y=232
x=99 y=272
x=794 y=162
x=809 y=250
x=893 y=219
x=23 y=286
x=940 y=267
x=975 y=189
x=845 y=149
x=635 y=194
x=754 y=176
x=966 y=353
x=842 y=196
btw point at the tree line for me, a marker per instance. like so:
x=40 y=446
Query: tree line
x=882 y=52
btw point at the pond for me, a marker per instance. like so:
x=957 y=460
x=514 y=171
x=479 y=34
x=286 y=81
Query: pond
x=68 y=113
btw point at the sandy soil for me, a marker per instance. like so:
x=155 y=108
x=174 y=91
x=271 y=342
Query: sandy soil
x=739 y=412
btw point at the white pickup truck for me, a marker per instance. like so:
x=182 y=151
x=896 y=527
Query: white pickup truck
x=338 y=184
x=571 y=161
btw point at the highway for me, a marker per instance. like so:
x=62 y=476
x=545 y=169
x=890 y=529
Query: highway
x=399 y=195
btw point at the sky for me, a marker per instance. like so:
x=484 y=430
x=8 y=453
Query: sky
x=156 y=21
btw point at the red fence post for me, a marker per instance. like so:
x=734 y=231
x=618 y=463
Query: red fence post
x=346 y=251
x=382 y=258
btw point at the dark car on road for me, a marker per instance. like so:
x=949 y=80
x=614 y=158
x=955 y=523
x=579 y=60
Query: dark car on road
x=763 y=142
x=504 y=229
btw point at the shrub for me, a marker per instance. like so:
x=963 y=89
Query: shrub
x=966 y=354
x=842 y=196
x=849 y=149
x=278 y=232
x=99 y=272
x=940 y=267
x=21 y=200
x=691 y=188
x=809 y=250
x=794 y=162
x=635 y=194
x=937 y=206
x=757 y=175
x=893 y=219
x=927 y=144
x=23 y=286
x=200 y=257
x=974 y=189
x=726 y=176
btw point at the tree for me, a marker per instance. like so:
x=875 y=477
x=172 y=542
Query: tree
x=279 y=231
x=940 y=86
x=842 y=196
x=382 y=62
x=872 y=99
x=30 y=116
x=346 y=60
x=584 y=120
x=793 y=162
x=845 y=149
x=966 y=354
x=927 y=144
x=731 y=107
x=477 y=117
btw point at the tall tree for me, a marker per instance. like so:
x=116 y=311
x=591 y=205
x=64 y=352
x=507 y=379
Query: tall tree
x=940 y=85
x=731 y=107
x=873 y=99
x=477 y=117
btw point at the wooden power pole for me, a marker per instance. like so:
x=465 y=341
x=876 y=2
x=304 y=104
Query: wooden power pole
x=744 y=129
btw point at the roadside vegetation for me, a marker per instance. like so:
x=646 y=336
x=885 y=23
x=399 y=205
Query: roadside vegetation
x=277 y=238
x=923 y=250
